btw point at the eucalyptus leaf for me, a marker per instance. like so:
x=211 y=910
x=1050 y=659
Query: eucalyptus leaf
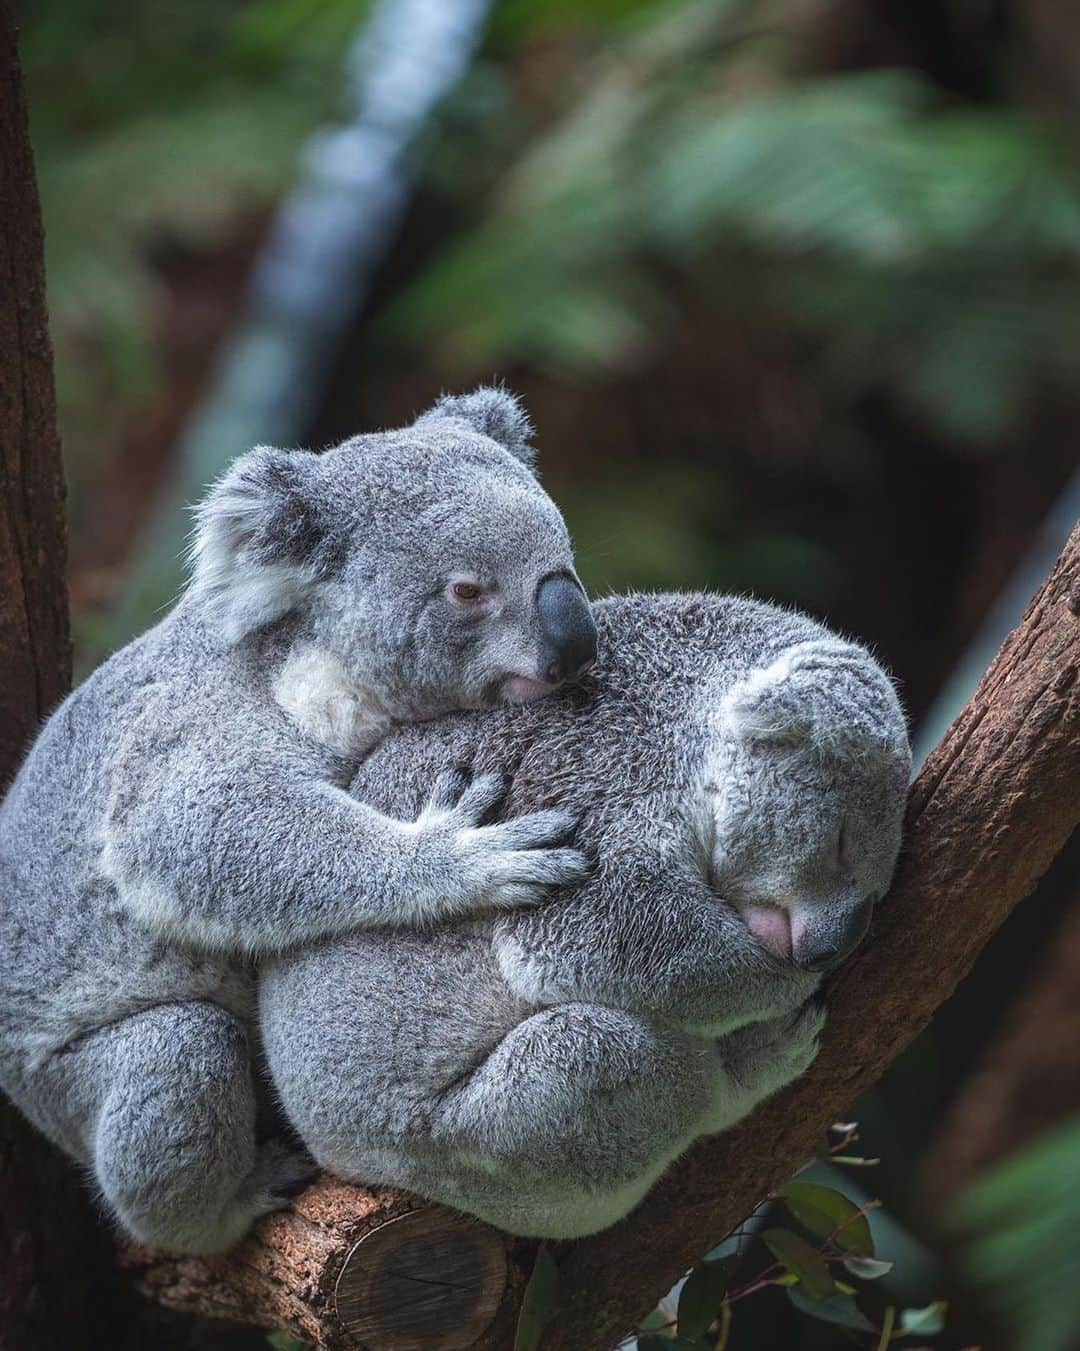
x=829 y=1214
x=701 y=1298
x=929 y=1320
x=539 y=1301
x=801 y=1260
x=835 y=1308
x=868 y=1268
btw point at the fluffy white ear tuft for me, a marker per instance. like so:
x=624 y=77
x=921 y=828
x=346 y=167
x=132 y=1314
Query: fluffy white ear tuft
x=494 y=412
x=255 y=548
x=827 y=695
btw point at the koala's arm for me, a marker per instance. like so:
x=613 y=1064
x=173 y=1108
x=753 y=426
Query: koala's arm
x=760 y=1059
x=651 y=935
x=256 y=854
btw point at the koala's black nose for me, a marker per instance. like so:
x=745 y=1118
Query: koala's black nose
x=567 y=631
x=822 y=948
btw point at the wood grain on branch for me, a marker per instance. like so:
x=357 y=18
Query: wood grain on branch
x=995 y=802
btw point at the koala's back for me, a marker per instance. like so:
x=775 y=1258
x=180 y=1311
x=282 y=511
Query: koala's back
x=74 y=960
x=625 y=734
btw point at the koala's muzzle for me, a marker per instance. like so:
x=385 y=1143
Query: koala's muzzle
x=567 y=630
x=825 y=944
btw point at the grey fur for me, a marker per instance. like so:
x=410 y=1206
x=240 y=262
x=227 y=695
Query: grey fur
x=185 y=810
x=541 y=1069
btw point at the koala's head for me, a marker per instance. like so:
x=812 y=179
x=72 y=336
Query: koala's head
x=808 y=789
x=428 y=560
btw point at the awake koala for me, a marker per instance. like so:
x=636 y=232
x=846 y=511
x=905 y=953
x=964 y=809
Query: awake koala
x=739 y=774
x=186 y=809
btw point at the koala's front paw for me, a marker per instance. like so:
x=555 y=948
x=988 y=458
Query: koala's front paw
x=763 y=1057
x=477 y=867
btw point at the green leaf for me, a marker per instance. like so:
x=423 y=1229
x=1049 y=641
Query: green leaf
x=929 y=1320
x=836 y=1308
x=539 y=1301
x=801 y=1260
x=829 y=1214
x=701 y=1297
x=868 y=1268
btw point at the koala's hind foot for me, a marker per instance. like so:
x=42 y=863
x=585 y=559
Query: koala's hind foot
x=167 y=1107
x=761 y=1058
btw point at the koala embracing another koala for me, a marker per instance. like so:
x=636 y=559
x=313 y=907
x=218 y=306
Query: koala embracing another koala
x=739 y=776
x=185 y=812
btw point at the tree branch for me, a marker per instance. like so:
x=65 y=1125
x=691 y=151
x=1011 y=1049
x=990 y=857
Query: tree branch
x=995 y=802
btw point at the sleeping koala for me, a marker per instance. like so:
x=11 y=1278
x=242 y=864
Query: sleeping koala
x=739 y=776
x=185 y=810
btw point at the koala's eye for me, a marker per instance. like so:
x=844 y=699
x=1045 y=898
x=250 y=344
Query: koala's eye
x=466 y=591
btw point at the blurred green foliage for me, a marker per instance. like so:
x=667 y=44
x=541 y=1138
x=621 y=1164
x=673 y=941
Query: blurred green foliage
x=167 y=117
x=931 y=250
x=1022 y=1219
x=697 y=529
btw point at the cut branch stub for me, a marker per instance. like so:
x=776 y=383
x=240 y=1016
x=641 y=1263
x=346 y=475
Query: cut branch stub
x=347 y=1269
x=427 y=1281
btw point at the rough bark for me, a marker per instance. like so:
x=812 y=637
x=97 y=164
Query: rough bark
x=995 y=802
x=36 y=670
x=45 y=1225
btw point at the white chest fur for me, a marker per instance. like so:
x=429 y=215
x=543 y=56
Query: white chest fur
x=314 y=689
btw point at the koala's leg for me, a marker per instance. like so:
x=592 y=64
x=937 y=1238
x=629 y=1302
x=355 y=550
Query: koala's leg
x=582 y=1090
x=166 y=1108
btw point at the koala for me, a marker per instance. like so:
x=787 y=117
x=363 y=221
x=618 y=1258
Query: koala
x=185 y=812
x=738 y=774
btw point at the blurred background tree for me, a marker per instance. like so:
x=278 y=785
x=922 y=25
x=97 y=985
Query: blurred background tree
x=792 y=291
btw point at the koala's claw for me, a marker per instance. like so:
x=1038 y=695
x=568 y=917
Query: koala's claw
x=448 y=790
x=507 y=864
x=538 y=830
x=481 y=797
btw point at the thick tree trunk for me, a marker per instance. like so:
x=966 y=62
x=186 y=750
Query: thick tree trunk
x=45 y=1225
x=996 y=801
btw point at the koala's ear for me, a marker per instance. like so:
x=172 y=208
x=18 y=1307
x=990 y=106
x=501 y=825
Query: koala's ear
x=493 y=411
x=258 y=545
x=827 y=695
